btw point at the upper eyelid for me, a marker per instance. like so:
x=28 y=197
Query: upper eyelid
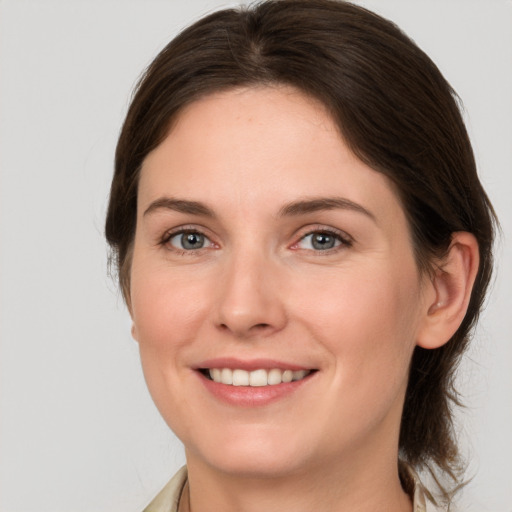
x=299 y=234
x=309 y=230
x=185 y=228
x=181 y=234
x=164 y=241
x=346 y=241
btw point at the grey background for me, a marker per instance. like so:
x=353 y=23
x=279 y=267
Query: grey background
x=78 y=431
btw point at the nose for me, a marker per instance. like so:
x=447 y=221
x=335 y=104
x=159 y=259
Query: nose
x=250 y=299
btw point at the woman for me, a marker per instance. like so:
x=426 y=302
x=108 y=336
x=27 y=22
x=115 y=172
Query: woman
x=304 y=246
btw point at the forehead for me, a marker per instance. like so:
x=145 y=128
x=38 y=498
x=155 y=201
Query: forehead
x=259 y=146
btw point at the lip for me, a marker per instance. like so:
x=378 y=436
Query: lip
x=249 y=365
x=248 y=396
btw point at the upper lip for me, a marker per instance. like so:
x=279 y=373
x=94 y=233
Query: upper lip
x=249 y=365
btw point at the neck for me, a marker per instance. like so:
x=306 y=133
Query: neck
x=369 y=485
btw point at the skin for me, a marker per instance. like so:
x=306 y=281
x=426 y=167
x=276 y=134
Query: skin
x=259 y=289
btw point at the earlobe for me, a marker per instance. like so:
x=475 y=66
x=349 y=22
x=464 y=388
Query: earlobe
x=451 y=289
x=134 y=332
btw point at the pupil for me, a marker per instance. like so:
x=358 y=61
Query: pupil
x=322 y=241
x=192 y=240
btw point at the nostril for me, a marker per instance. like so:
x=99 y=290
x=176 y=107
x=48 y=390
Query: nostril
x=256 y=328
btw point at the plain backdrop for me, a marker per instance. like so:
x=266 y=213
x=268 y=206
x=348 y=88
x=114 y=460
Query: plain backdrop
x=78 y=430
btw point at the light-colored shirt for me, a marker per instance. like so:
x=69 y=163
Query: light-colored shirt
x=169 y=497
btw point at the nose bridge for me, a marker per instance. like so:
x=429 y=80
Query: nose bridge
x=249 y=300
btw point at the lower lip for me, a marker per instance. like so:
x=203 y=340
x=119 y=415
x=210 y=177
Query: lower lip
x=252 y=396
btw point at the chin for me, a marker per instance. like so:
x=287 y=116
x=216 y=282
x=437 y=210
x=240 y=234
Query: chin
x=254 y=456
x=261 y=466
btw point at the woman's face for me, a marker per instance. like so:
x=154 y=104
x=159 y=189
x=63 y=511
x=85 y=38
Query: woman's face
x=266 y=251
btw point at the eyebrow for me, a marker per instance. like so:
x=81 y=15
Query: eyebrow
x=179 y=205
x=295 y=208
x=312 y=205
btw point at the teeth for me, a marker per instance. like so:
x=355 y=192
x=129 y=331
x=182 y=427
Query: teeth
x=240 y=378
x=256 y=378
x=300 y=374
x=226 y=376
x=287 y=376
x=274 y=377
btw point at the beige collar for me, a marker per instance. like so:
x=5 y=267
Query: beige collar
x=174 y=496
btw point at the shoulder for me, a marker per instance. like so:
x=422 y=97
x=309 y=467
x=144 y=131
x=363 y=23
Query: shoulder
x=167 y=500
x=422 y=498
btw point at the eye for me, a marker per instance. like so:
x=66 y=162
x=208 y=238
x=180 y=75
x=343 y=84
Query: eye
x=321 y=241
x=189 y=241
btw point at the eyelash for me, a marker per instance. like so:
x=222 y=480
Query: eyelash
x=165 y=241
x=344 y=240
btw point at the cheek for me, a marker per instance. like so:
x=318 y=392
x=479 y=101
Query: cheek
x=167 y=308
x=367 y=319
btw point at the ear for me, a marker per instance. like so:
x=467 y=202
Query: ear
x=133 y=327
x=449 y=291
x=135 y=334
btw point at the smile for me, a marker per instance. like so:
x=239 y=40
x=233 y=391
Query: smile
x=255 y=378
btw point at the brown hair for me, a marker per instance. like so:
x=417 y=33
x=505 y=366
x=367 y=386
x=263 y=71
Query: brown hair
x=394 y=109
